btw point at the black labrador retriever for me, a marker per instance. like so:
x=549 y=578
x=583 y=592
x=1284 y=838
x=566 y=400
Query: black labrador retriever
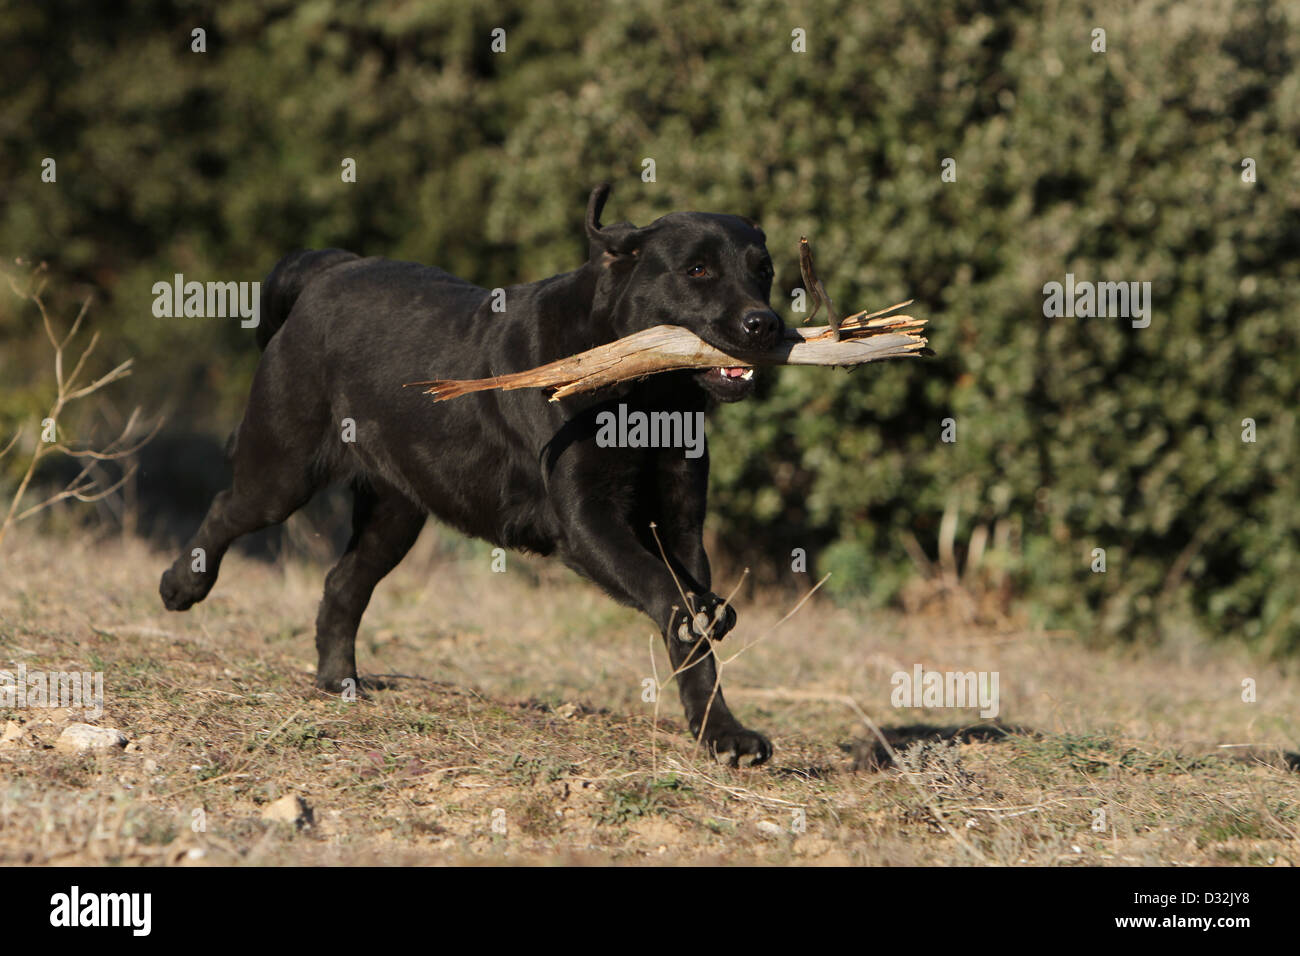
x=341 y=334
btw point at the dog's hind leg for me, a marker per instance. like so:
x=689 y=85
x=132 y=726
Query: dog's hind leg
x=274 y=475
x=385 y=523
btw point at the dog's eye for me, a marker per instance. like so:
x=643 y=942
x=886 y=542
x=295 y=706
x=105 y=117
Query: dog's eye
x=698 y=271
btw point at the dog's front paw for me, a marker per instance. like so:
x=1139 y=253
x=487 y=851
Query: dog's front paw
x=713 y=617
x=349 y=685
x=735 y=746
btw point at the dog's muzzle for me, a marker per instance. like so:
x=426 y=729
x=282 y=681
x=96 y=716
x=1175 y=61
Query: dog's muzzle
x=760 y=329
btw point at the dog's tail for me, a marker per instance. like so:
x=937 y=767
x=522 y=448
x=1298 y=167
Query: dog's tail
x=286 y=282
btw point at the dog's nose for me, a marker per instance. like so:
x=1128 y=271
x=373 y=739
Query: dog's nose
x=762 y=324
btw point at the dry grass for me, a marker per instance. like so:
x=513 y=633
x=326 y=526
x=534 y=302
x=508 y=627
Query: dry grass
x=522 y=693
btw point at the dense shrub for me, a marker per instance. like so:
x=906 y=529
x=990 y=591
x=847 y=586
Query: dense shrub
x=1072 y=434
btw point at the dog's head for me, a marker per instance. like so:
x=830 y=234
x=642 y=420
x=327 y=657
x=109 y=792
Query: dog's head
x=706 y=272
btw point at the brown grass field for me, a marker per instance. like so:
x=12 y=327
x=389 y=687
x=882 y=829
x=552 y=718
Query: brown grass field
x=513 y=730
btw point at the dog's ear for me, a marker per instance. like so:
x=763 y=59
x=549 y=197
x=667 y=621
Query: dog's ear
x=595 y=206
x=615 y=241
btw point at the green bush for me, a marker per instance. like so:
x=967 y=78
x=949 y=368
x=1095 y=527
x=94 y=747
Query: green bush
x=1122 y=165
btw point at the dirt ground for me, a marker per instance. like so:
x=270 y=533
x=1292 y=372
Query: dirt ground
x=514 y=727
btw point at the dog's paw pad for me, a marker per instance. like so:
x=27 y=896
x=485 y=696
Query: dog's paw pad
x=713 y=617
x=741 y=748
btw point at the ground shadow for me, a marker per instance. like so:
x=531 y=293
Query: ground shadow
x=871 y=755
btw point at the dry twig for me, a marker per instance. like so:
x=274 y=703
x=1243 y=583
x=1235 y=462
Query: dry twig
x=83 y=487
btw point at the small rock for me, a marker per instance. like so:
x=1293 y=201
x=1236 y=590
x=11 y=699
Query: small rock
x=150 y=765
x=568 y=711
x=291 y=809
x=768 y=828
x=79 y=738
x=12 y=734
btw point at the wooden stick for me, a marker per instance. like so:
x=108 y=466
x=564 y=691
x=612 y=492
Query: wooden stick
x=860 y=338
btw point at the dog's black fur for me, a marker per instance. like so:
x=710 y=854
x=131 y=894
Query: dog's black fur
x=341 y=334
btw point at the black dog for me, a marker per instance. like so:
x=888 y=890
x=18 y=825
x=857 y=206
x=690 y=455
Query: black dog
x=341 y=334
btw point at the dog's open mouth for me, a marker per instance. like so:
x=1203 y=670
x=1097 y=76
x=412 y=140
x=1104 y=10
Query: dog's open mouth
x=727 y=384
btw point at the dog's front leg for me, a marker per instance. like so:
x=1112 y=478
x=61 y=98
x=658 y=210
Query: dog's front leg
x=682 y=490
x=605 y=548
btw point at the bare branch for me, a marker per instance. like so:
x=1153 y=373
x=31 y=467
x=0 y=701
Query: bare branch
x=94 y=341
x=814 y=287
x=76 y=323
x=80 y=492
x=122 y=371
x=85 y=486
x=112 y=452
